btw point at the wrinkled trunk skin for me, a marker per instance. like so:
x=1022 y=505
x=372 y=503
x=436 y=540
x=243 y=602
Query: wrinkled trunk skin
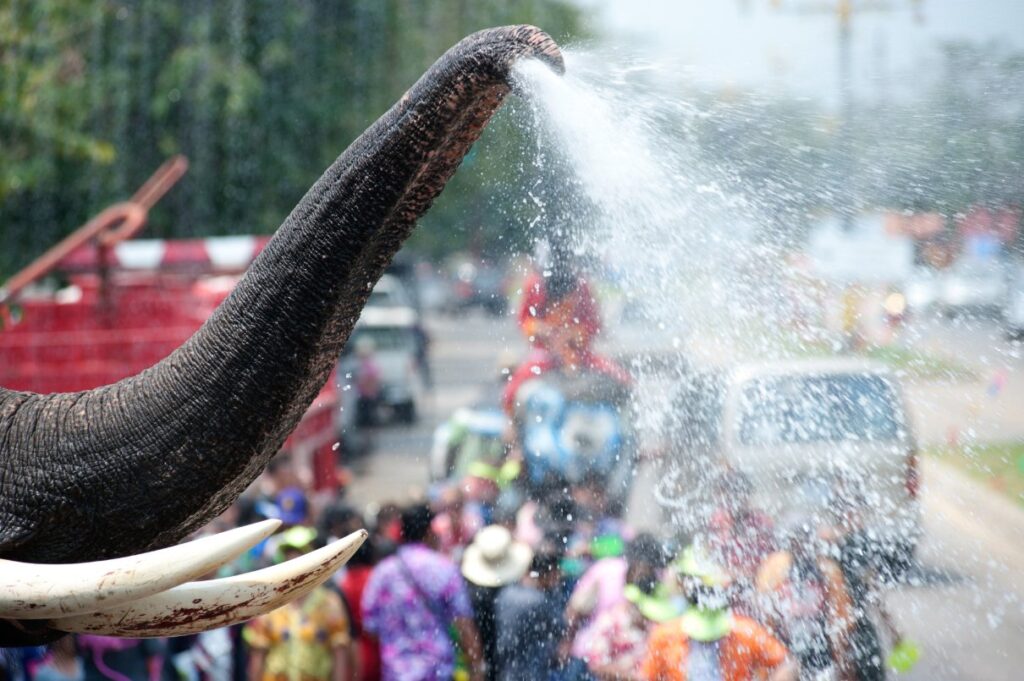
x=140 y=464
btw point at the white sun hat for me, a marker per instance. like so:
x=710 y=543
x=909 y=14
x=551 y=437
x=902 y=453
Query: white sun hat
x=494 y=558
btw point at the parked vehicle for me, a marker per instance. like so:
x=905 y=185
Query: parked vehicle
x=788 y=424
x=479 y=285
x=392 y=332
x=436 y=291
x=973 y=286
x=129 y=303
x=389 y=291
x=473 y=436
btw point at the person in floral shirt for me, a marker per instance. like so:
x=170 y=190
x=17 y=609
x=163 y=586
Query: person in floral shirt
x=307 y=640
x=618 y=636
x=414 y=601
x=620 y=643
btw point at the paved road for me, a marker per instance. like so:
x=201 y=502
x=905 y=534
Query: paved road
x=970 y=611
x=965 y=603
x=989 y=409
x=465 y=354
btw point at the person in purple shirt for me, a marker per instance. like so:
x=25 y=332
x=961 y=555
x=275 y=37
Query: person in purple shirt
x=414 y=601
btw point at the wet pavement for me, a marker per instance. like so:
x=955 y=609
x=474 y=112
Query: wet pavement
x=465 y=352
x=989 y=408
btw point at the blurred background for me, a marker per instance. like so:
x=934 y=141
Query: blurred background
x=908 y=106
x=845 y=175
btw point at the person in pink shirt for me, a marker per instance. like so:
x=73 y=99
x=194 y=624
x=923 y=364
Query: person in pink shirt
x=601 y=590
x=740 y=535
x=455 y=524
x=617 y=644
x=368 y=382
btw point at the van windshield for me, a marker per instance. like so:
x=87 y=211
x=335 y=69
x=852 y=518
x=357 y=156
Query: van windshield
x=788 y=409
x=385 y=338
x=387 y=297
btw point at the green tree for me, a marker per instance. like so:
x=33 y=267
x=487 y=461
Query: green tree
x=260 y=95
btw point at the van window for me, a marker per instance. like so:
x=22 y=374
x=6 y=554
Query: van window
x=789 y=409
x=388 y=292
x=697 y=409
x=385 y=338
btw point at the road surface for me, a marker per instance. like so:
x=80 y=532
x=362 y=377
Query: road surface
x=963 y=604
x=988 y=409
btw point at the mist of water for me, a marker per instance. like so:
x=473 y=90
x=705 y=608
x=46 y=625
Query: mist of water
x=698 y=265
x=695 y=268
x=691 y=272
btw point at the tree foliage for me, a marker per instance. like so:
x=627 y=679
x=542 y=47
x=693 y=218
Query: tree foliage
x=260 y=95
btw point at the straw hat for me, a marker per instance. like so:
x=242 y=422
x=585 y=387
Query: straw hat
x=494 y=559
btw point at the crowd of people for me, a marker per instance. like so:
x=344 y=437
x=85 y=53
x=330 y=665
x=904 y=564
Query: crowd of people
x=499 y=576
x=555 y=586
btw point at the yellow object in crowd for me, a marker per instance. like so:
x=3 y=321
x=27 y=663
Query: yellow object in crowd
x=300 y=638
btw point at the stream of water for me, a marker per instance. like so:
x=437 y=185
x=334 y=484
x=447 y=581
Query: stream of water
x=701 y=270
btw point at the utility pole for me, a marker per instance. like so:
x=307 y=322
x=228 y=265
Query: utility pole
x=846 y=199
x=846 y=207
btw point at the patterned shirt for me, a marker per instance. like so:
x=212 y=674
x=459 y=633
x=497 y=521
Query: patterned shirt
x=601 y=588
x=300 y=637
x=414 y=636
x=619 y=638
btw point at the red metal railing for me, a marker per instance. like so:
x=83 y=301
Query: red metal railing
x=106 y=333
x=115 y=224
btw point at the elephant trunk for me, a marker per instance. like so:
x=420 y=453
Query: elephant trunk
x=139 y=464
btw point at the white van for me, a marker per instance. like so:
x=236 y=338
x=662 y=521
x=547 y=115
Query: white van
x=394 y=335
x=794 y=425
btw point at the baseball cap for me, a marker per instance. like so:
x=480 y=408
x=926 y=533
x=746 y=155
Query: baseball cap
x=292 y=506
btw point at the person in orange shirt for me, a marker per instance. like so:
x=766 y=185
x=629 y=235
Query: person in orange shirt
x=709 y=642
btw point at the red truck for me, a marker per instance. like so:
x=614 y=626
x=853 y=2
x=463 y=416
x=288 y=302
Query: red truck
x=128 y=303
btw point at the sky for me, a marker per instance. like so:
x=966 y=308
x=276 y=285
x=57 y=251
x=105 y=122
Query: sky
x=792 y=45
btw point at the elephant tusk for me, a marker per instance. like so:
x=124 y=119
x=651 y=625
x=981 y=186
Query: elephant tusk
x=198 y=606
x=40 y=590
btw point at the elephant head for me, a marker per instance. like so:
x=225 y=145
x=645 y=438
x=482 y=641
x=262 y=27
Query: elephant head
x=138 y=465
